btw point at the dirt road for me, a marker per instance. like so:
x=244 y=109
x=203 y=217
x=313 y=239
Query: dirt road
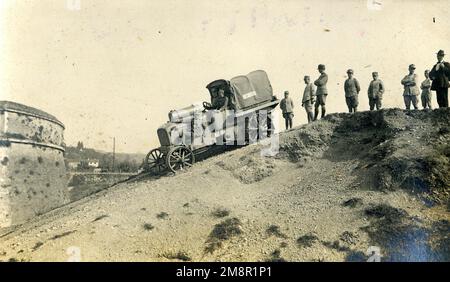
x=338 y=187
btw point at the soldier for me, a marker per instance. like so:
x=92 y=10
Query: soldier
x=351 y=88
x=321 y=92
x=411 y=89
x=287 y=108
x=440 y=74
x=375 y=92
x=426 y=91
x=308 y=98
x=221 y=101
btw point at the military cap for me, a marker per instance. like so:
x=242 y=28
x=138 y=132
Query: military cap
x=441 y=53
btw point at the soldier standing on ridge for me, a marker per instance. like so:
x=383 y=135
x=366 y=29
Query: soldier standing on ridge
x=440 y=74
x=426 y=91
x=321 y=92
x=351 y=88
x=411 y=89
x=308 y=98
x=287 y=108
x=375 y=92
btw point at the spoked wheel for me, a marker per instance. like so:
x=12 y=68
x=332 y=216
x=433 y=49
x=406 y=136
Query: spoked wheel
x=264 y=126
x=155 y=162
x=180 y=158
x=258 y=126
x=251 y=129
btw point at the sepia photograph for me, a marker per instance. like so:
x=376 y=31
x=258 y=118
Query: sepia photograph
x=239 y=131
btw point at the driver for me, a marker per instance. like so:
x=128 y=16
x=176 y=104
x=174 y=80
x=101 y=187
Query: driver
x=221 y=101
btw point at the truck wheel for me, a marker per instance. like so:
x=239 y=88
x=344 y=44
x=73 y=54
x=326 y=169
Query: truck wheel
x=265 y=127
x=154 y=162
x=179 y=158
x=251 y=128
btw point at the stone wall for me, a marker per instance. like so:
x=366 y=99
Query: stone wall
x=32 y=171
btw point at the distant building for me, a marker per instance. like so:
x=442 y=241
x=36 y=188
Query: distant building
x=73 y=164
x=94 y=163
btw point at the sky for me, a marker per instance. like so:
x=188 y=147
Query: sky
x=110 y=68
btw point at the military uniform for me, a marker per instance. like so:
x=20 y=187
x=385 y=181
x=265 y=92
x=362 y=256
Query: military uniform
x=411 y=90
x=287 y=108
x=322 y=90
x=351 y=88
x=321 y=93
x=308 y=101
x=426 y=93
x=375 y=93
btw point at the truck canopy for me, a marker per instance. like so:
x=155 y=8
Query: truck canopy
x=245 y=91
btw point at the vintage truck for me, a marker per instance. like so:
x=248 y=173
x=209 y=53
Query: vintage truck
x=245 y=119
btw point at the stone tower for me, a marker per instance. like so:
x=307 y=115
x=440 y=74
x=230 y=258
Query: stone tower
x=32 y=170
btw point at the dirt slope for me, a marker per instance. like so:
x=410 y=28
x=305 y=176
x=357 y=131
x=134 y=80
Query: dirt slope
x=337 y=187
